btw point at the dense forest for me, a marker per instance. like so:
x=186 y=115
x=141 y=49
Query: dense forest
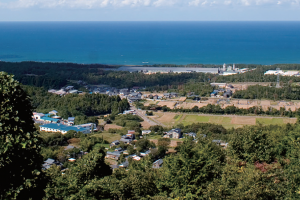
x=290 y=92
x=75 y=104
x=56 y=75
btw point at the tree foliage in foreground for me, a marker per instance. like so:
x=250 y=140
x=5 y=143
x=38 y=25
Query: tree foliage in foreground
x=73 y=182
x=20 y=158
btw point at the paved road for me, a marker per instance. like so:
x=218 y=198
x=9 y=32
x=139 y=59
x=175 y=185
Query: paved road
x=141 y=113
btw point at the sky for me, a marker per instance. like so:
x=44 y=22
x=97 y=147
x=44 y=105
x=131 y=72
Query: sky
x=149 y=10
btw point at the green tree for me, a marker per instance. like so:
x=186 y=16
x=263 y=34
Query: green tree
x=189 y=173
x=83 y=172
x=251 y=144
x=20 y=158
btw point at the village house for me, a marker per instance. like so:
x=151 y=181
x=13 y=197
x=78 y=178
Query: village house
x=71 y=121
x=45 y=118
x=129 y=112
x=124 y=164
x=167 y=95
x=38 y=116
x=155 y=97
x=53 y=112
x=68 y=88
x=174 y=133
x=118 y=149
x=191 y=134
x=214 y=93
x=157 y=164
x=49 y=162
x=174 y=94
x=145 y=153
x=124 y=92
x=128 y=138
x=131 y=132
x=73 y=92
x=114 y=143
x=145 y=132
x=113 y=155
x=89 y=126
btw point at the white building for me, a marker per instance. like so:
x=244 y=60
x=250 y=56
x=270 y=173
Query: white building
x=88 y=126
x=274 y=72
x=291 y=73
x=145 y=132
x=60 y=128
x=228 y=73
x=38 y=116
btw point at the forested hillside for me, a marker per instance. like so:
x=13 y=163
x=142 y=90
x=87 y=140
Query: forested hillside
x=75 y=104
x=260 y=162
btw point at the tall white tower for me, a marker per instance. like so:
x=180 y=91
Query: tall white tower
x=233 y=67
x=224 y=67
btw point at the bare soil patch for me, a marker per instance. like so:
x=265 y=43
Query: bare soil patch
x=112 y=126
x=291 y=121
x=167 y=117
x=74 y=142
x=169 y=104
x=145 y=125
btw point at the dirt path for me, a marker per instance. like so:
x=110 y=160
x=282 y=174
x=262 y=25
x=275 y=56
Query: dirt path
x=151 y=122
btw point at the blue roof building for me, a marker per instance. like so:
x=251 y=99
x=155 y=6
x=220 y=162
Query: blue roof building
x=62 y=128
x=49 y=119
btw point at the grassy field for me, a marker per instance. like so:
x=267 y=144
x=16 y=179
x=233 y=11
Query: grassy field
x=172 y=119
x=101 y=145
x=177 y=118
x=190 y=119
x=44 y=135
x=108 y=136
x=274 y=121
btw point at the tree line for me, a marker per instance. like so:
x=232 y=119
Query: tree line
x=216 y=109
x=290 y=92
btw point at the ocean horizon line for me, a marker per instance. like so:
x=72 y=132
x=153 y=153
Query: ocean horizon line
x=153 y=21
x=150 y=65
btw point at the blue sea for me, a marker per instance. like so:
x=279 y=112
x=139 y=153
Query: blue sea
x=138 y=43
